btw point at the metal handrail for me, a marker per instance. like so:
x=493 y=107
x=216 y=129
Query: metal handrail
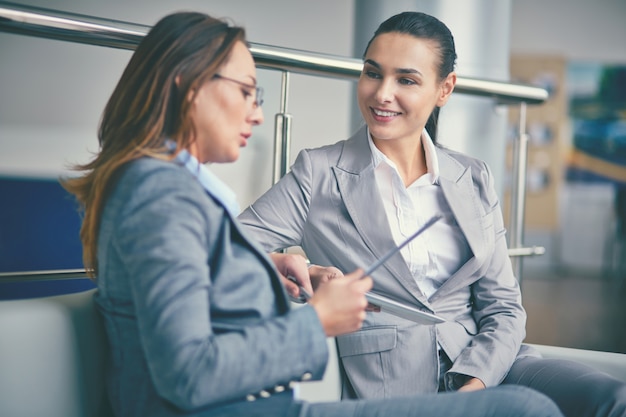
x=77 y=28
x=53 y=24
x=53 y=274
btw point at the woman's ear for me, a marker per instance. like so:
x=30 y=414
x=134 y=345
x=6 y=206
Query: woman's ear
x=447 y=87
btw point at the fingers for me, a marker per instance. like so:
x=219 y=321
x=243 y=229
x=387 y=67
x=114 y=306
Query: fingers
x=341 y=303
x=321 y=274
x=291 y=287
x=473 y=384
x=294 y=267
x=356 y=274
x=363 y=285
x=334 y=273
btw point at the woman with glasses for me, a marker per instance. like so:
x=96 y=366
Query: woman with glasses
x=197 y=319
x=348 y=203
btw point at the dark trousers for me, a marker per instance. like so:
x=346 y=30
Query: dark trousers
x=578 y=390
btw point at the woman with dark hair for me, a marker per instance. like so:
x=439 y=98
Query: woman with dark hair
x=198 y=322
x=348 y=203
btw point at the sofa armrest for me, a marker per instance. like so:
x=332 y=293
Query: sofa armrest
x=612 y=363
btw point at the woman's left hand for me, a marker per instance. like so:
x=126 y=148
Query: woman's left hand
x=319 y=274
x=472 y=384
x=292 y=267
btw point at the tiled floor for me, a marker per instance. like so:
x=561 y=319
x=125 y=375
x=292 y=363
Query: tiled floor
x=575 y=309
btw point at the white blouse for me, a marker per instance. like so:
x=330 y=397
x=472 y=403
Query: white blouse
x=442 y=249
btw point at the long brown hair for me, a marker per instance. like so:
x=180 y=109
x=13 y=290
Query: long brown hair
x=149 y=105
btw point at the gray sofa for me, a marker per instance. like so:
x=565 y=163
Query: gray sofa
x=52 y=353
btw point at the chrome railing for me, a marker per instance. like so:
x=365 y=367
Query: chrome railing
x=52 y=274
x=71 y=27
x=51 y=24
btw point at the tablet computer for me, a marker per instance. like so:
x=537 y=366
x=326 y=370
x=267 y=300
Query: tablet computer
x=405 y=311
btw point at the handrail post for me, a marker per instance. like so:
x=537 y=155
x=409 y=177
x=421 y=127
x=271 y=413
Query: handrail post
x=518 y=192
x=282 y=133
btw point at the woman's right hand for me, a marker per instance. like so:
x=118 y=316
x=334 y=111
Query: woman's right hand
x=340 y=303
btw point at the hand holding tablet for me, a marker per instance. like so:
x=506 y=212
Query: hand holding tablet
x=386 y=304
x=394 y=307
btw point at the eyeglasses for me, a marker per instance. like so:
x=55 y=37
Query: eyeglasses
x=258 y=98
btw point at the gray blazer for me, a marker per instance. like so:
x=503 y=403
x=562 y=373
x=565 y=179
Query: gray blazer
x=197 y=319
x=328 y=205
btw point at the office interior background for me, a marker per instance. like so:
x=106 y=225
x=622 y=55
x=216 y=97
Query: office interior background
x=52 y=94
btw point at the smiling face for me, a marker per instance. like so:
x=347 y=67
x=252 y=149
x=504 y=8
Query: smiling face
x=399 y=86
x=224 y=110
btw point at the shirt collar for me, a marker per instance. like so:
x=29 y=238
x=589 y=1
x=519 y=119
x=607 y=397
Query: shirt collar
x=209 y=181
x=432 y=162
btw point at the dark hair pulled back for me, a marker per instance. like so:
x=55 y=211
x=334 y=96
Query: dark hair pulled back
x=424 y=26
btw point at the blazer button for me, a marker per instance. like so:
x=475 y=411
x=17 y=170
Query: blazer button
x=279 y=388
x=250 y=397
x=292 y=384
x=264 y=394
x=307 y=376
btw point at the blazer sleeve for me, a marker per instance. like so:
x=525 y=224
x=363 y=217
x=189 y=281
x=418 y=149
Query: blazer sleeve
x=166 y=234
x=277 y=219
x=496 y=306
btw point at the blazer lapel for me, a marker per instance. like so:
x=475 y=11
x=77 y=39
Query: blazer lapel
x=357 y=184
x=458 y=188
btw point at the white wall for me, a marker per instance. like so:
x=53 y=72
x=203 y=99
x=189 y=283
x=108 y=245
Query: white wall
x=52 y=93
x=575 y=29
